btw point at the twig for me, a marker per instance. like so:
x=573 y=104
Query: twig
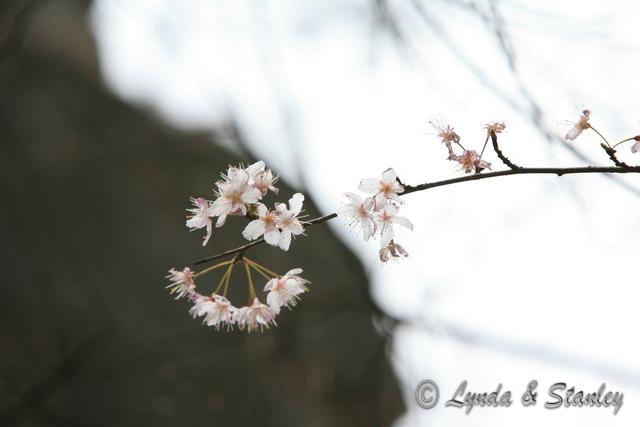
x=243 y=248
x=501 y=156
x=408 y=189
x=612 y=155
x=522 y=171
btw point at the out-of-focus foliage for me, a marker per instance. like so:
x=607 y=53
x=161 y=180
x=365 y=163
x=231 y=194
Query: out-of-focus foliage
x=93 y=193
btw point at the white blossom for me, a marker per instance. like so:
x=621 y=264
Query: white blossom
x=579 y=126
x=388 y=187
x=266 y=224
x=234 y=194
x=285 y=290
x=217 y=311
x=182 y=282
x=359 y=213
x=288 y=221
x=202 y=216
x=261 y=178
x=257 y=315
x=386 y=217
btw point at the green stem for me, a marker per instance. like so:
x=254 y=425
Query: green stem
x=252 y=290
x=601 y=136
x=206 y=270
x=624 y=140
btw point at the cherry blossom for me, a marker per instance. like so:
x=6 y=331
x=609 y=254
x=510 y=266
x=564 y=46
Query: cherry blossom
x=388 y=187
x=495 y=127
x=392 y=250
x=182 y=282
x=579 y=126
x=266 y=224
x=217 y=311
x=285 y=291
x=254 y=316
x=386 y=217
x=447 y=135
x=202 y=217
x=234 y=193
x=261 y=178
x=470 y=160
x=636 y=147
x=359 y=213
x=288 y=221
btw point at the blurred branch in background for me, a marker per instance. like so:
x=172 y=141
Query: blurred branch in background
x=494 y=22
x=31 y=401
x=19 y=17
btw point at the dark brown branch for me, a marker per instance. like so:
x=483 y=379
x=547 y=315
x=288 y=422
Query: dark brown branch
x=522 y=171
x=408 y=189
x=501 y=156
x=243 y=248
x=612 y=155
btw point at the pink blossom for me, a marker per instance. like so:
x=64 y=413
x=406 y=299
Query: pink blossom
x=495 y=127
x=202 y=216
x=234 y=194
x=447 y=135
x=217 y=310
x=392 y=250
x=257 y=315
x=470 y=160
x=386 y=188
x=266 y=224
x=386 y=217
x=182 y=282
x=359 y=213
x=261 y=178
x=288 y=221
x=284 y=291
x=579 y=126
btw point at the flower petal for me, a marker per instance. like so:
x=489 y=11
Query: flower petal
x=369 y=185
x=253 y=230
x=285 y=240
x=295 y=203
x=400 y=220
x=253 y=169
x=272 y=237
x=389 y=175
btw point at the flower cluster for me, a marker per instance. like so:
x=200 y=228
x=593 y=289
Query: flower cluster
x=217 y=311
x=239 y=193
x=469 y=160
x=376 y=214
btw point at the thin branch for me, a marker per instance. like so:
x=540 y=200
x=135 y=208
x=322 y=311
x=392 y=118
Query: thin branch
x=522 y=171
x=408 y=189
x=243 y=248
x=612 y=155
x=505 y=159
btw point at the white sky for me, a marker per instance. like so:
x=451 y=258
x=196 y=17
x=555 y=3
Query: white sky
x=532 y=263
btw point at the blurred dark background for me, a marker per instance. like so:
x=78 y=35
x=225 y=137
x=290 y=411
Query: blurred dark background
x=93 y=193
